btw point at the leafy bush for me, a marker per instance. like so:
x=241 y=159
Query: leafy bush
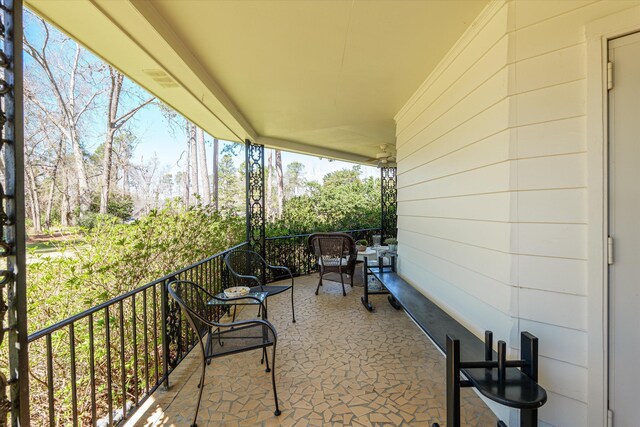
x=114 y=258
x=343 y=202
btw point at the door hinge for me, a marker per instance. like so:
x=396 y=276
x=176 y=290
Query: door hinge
x=609 y=75
x=609 y=418
x=609 y=250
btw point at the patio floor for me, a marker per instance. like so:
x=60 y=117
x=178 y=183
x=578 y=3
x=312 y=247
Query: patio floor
x=338 y=365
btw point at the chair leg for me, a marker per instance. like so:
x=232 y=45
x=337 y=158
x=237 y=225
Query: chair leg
x=344 y=293
x=266 y=359
x=273 y=379
x=319 y=282
x=351 y=278
x=293 y=311
x=201 y=387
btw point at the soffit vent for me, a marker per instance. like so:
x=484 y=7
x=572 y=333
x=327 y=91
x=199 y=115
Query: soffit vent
x=160 y=77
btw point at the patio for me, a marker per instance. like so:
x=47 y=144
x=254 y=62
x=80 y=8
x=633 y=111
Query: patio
x=338 y=364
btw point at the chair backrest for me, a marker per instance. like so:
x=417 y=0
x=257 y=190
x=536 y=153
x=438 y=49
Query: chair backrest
x=245 y=267
x=192 y=300
x=331 y=245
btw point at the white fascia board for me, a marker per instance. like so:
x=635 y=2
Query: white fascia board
x=312 y=150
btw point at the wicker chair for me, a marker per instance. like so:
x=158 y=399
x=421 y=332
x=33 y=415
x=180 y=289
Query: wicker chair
x=246 y=267
x=336 y=253
x=222 y=339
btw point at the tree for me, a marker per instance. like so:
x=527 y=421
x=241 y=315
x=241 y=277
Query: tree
x=343 y=201
x=203 y=170
x=294 y=180
x=215 y=174
x=114 y=123
x=230 y=186
x=66 y=87
x=280 y=178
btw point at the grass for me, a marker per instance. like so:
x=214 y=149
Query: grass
x=53 y=240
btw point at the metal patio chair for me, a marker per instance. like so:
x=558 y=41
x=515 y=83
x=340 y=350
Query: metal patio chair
x=246 y=270
x=217 y=339
x=336 y=253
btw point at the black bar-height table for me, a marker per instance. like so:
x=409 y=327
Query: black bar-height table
x=381 y=267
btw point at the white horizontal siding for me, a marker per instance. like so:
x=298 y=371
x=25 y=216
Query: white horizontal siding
x=492 y=187
x=562 y=275
x=476 y=315
x=491 y=150
x=550 y=138
x=484 y=261
x=553 y=308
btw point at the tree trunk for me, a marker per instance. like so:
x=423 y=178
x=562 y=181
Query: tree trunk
x=54 y=177
x=49 y=207
x=64 y=203
x=113 y=124
x=32 y=192
x=280 y=177
x=112 y=116
x=84 y=194
x=205 y=190
x=216 y=204
x=193 y=162
x=268 y=205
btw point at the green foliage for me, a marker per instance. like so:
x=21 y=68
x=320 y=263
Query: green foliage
x=344 y=201
x=114 y=258
x=391 y=241
x=91 y=219
x=119 y=205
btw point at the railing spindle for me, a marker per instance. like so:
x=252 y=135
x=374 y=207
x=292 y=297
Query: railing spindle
x=92 y=371
x=123 y=373
x=107 y=338
x=155 y=332
x=146 y=341
x=134 y=333
x=74 y=391
x=50 y=381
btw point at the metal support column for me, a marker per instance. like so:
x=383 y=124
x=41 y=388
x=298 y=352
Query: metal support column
x=389 y=202
x=13 y=290
x=254 y=164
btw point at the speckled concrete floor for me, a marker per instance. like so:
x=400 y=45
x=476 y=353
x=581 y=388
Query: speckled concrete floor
x=339 y=365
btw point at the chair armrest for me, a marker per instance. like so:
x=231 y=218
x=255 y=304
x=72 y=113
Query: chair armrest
x=280 y=267
x=242 y=276
x=255 y=321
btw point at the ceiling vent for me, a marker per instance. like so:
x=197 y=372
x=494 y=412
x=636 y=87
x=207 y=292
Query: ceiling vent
x=161 y=77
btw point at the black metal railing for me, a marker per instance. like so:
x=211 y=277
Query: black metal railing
x=293 y=251
x=99 y=365
x=102 y=363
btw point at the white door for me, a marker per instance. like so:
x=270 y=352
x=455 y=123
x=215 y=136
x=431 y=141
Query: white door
x=624 y=227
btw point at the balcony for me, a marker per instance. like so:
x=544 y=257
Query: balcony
x=339 y=365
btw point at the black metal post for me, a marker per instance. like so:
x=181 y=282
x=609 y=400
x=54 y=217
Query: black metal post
x=389 y=203
x=529 y=353
x=255 y=205
x=453 y=382
x=12 y=220
x=164 y=307
x=488 y=345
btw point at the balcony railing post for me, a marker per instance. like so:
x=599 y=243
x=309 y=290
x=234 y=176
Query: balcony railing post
x=389 y=203
x=255 y=200
x=13 y=306
x=164 y=309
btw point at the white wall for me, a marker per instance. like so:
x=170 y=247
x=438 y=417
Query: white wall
x=492 y=186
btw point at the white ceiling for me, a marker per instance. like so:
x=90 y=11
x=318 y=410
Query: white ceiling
x=320 y=77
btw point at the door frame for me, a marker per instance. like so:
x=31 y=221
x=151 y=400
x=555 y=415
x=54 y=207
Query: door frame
x=598 y=33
